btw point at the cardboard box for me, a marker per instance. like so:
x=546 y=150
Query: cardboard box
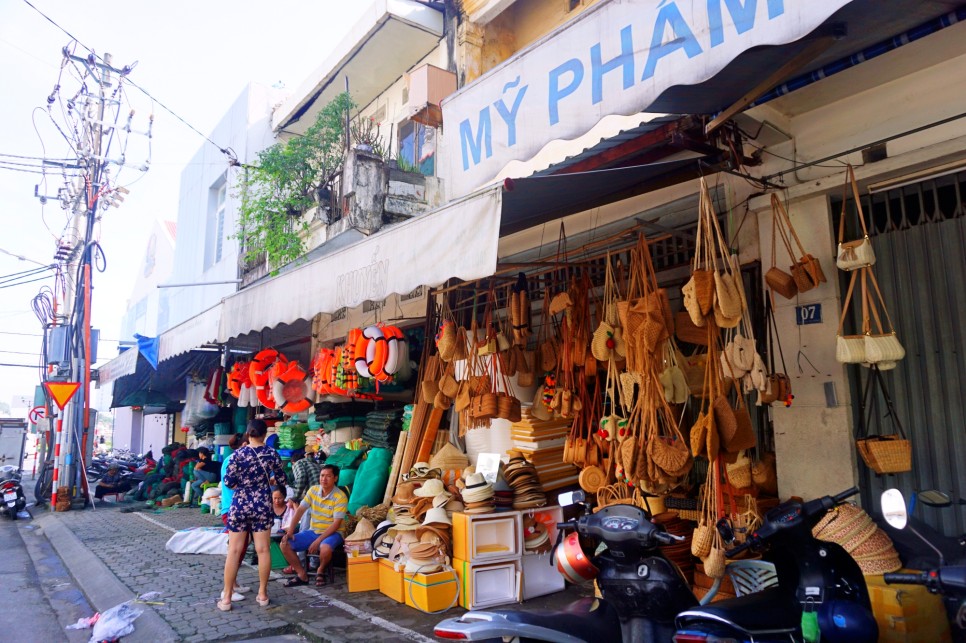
x=391 y=580
x=488 y=584
x=492 y=537
x=363 y=573
x=432 y=592
x=907 y=613
x=539 y=576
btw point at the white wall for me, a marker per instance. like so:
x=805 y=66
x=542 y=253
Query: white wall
x=245 y=128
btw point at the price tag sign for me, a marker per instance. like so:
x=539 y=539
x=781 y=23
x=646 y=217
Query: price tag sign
x=809 y=314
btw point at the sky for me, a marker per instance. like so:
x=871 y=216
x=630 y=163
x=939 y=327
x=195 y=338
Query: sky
x=193 y=57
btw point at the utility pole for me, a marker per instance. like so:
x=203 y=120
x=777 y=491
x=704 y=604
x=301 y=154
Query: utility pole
x=91 y=189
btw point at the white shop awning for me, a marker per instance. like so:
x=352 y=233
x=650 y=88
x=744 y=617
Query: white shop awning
x=123 y=364
x=458 y=240
x=194 y=332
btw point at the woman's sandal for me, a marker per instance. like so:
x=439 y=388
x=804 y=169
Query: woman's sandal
x=223 y=606
x=295 y=582
x=262 y=602
x=319 y=580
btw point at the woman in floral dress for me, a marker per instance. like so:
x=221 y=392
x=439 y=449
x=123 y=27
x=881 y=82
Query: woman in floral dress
x=251 y=473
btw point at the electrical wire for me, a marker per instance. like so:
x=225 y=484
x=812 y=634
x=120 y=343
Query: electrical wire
x=227 y=151
x=29 y=281
x=24 y=273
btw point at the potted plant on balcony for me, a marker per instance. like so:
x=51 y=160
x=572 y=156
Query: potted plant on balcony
x=284 y=182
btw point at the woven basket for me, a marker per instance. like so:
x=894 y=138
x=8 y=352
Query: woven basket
x=739 y=473
x=701 y=540
x=714 y=562
x=886 y=453
x=781 y=282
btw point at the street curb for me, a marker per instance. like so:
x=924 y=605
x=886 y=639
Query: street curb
x=98 y=582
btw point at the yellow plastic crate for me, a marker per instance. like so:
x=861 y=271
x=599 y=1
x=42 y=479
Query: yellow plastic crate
x=391 y=580
x=362 y=573
x=432 y=592
x=907 y=613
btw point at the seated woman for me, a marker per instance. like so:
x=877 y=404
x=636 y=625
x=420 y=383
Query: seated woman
x=111 y=483
x=283 y=510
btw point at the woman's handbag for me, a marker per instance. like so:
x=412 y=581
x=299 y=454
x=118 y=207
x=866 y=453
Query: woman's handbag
x=858 y=253
x=776 y=278
x=882 y=347
x=807 y=270
x=883 y=453
x=850 y=349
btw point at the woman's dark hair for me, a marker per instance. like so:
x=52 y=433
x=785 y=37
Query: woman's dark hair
x=257 y=429
x=281 y=489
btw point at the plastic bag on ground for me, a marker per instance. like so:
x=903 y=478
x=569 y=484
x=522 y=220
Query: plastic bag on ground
x=116 y=622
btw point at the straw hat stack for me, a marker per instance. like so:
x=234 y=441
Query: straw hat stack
x=527 y=491
x=449 y=458
x=358 y=541
x=402 y=506
x=536 y=538
x=432 y=493
x=502 y=495
x=477 y=495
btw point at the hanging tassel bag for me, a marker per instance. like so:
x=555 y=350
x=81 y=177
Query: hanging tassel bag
x=778 y=388
x=729 y=300
x=807 y=271
x=859 y=253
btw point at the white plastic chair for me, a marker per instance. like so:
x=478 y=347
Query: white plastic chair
x=748 y=577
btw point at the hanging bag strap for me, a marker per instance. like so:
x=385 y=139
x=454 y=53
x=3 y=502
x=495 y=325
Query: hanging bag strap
x=268 y=478
x=885 y=310
x=779 y=207
x=770 y=312
x=848 y=300
x=850 y=181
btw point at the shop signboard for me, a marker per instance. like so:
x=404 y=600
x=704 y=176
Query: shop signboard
x=617 y=57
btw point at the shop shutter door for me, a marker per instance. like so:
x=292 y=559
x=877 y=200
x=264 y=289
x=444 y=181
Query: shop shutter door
x=919 y=236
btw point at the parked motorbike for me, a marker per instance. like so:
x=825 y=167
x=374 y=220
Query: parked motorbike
x=14 y=500
x=947 y=580
x=820 y=591
x=642 y=590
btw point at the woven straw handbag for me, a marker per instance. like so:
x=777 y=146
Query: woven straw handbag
x=777 y=279
x=859 y=253
x=807 y=270
x=882 y=452
x=882 y=346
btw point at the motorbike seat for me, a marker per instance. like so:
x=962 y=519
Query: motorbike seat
x=578 y=620
x=770 y=611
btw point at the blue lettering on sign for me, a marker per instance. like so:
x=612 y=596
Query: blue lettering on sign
x=669 y=16
x=476 y=145
x=808 y=314
x=556 y=92
x=743 y=16
x=598 y=68
x=670 y=33
x=509 y=116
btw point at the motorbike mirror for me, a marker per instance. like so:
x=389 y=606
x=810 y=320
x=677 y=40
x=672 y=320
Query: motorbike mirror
x=571 y=498
x=894 y=508
x=934 y=498
x=727 y=533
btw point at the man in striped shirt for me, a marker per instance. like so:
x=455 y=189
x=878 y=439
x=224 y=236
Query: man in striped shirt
x=328 y=505
x=305 y=473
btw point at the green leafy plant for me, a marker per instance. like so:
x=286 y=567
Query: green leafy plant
x=283 y=183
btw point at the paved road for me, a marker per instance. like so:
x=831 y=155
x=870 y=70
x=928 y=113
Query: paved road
x=40 y=598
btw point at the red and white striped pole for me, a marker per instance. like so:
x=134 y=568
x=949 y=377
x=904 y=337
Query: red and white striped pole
x=57 y=441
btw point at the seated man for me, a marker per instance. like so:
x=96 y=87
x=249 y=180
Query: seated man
x=111 y=483
x=206 y=470
x=328 y=505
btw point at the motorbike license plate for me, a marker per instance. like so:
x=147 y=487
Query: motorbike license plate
x=10 y=495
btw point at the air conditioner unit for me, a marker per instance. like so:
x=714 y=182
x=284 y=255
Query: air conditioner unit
x=427 y=86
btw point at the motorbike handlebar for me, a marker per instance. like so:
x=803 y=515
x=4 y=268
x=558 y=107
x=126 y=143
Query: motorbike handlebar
x=848 y=493
x=906 y=578
x=731 y=553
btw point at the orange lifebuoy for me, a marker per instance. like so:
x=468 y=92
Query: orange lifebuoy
x=394 y=339
x=375 y=351
x=290 y=388
x=260 y=373
x=238 y=377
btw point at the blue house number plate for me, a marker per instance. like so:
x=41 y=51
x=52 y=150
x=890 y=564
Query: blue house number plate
x=810 y=314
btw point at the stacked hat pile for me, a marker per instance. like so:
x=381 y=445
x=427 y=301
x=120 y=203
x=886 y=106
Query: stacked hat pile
x=359 y=540
x=451 y=461
x=382 y=428
x=477 y=495
x=536 y=538
x=402 y=507
x=522 y=478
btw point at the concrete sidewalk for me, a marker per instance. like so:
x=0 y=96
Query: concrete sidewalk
x=115 y=556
